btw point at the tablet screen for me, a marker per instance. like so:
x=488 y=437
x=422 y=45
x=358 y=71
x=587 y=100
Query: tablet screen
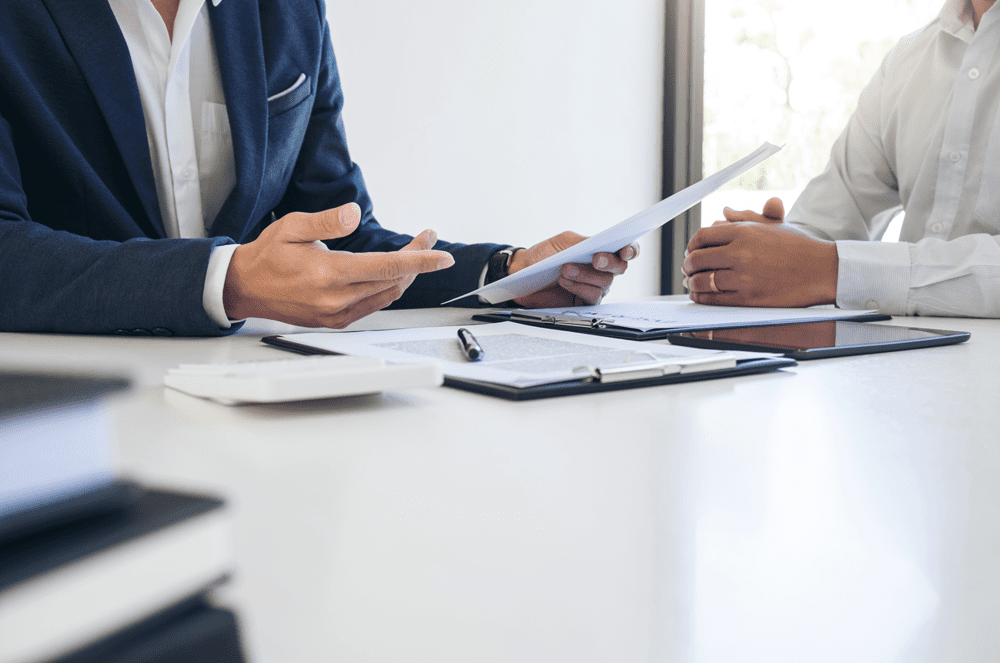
x=815 y=335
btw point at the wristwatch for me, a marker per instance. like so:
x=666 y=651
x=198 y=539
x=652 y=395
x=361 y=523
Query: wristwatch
x=499 y=264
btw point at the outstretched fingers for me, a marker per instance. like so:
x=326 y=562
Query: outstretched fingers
x=301 y=227
x=422 y=242
x=342 y=316
x=289 y=274
x=361 y=267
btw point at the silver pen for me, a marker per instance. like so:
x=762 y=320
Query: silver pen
x=470 y=346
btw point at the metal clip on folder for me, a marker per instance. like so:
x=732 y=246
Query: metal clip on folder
x=570 y=320
x=626 y=372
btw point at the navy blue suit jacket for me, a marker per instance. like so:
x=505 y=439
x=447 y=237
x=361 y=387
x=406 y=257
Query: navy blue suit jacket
x=82 y=242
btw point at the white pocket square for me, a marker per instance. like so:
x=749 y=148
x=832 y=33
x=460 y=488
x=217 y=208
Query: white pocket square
x=298 y=81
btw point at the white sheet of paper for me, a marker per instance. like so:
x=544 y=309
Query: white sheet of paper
x=514 y=354
x=644 y=316
x=546 y=272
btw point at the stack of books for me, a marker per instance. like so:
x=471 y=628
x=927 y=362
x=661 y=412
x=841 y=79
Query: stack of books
x=94 y=567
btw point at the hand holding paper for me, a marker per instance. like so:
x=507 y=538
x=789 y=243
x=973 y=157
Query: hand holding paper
x=545 y=273
x=578 y=284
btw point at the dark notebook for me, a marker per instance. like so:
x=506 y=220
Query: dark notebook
x=29 y=556
x=193 y=632
x=160 y=551
x=56 y=451
x=27 y=392
x=114 y=497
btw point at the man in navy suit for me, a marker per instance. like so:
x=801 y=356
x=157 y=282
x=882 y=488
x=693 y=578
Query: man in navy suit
x=173 y=166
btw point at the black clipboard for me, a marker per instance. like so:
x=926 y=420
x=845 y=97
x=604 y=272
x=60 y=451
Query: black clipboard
x=585 y=385
x=602 y=327
x=745 y=367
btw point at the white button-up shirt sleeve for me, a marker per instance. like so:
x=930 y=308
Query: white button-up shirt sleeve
x=923 y=136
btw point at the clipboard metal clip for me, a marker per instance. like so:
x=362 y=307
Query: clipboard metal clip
x=655 y=369
x=626 y=372
x=568 y=320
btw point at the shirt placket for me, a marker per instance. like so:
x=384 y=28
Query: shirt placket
x=953 y=160
x=158 y=57
x=181 y=142
x=988 y=201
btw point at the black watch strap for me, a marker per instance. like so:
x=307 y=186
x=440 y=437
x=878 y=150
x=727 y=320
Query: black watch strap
x=499 y=264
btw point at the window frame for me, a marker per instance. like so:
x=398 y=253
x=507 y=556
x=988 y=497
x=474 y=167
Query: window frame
x=683 y=122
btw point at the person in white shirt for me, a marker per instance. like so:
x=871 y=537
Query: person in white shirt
x=926 y=136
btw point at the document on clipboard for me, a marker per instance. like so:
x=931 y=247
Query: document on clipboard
x=651 y=320
x=521 y=362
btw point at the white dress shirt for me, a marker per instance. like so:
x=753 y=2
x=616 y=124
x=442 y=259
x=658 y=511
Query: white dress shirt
x=926 y=134
x=187 y=125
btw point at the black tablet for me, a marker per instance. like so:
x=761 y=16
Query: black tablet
x=814 y=340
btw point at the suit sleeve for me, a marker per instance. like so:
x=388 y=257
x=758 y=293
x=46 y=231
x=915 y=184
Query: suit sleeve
x=57 y=281
x=325 y=177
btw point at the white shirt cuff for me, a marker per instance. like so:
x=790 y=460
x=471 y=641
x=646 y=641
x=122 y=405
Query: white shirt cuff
x=215 y=282
x=482 y=282
x=873 y=276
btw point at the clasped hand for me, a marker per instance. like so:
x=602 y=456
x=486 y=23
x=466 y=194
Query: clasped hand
x=289 y=274
x=752 y=259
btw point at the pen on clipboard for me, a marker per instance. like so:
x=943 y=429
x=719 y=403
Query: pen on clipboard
x=470 y=346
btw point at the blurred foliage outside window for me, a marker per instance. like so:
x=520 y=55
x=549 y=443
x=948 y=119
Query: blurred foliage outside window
x=790 y=72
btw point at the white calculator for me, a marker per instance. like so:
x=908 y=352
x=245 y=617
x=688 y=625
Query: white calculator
x=299 y=378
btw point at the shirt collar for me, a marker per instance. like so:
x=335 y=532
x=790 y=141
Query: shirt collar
x=956 y=18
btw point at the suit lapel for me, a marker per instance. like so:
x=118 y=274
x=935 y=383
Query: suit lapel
x=91 y=33
x=240 y=49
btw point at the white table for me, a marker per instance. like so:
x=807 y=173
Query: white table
x=843 y=510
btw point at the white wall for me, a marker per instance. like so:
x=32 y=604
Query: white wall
x=506 y=121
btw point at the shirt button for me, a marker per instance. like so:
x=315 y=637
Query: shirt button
x=973 y=73
x=955 y=156
x=871 y=305
x=937 y=227
x=186 y=173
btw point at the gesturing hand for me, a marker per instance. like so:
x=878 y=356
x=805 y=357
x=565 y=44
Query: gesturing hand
x=288 y=274
x=579 y=284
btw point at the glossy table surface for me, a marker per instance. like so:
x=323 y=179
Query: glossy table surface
x=842 y=510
